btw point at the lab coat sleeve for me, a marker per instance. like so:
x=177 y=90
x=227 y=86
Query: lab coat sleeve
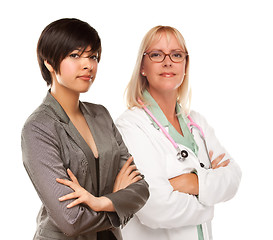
x=165 y=208
x=221 y=184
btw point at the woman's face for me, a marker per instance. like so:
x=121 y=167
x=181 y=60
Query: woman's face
x=167 y=76
x=78 y=70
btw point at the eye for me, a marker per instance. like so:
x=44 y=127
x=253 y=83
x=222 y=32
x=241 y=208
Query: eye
x=155 y=54
x=177 y=54
x=74 y=55
x=94 y=57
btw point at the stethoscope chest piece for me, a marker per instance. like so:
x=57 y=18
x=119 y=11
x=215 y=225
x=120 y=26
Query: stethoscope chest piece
x=184 y=154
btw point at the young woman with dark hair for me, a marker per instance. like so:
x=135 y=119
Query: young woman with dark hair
x=72 y=150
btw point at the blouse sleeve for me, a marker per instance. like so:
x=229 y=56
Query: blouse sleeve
x=131 y=199
x=43 y=163
x=165 y=208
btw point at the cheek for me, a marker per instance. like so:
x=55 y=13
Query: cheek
x=67 y=68
x=95 y=68
x=147 y=68
x=183 y=68
x=180 y=69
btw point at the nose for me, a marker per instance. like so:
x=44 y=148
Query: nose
x=87 y=64
x=167 y=62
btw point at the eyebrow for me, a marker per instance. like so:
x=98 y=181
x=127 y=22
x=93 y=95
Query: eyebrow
x=82 y=51
x=177 y=49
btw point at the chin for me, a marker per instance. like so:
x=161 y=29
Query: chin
x=170 y=88
x=84 y=89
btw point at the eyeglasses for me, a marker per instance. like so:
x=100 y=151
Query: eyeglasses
x=159 y=56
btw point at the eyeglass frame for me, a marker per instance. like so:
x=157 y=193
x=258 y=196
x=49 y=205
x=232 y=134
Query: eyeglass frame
x=165 y=54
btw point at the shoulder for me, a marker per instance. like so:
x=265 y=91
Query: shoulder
x=136 y=122
x=98 y=113
x=95 y=109
x=134 y=115
x=42 y=123
x=198 y=117
x=200 y=120
x=42 y=115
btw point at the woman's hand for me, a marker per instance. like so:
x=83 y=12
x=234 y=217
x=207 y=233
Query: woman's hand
x=82 y=196
x=215 y=163
x=127 y=175
x=186 y=183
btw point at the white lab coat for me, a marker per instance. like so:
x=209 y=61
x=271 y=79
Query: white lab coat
x=171 y=214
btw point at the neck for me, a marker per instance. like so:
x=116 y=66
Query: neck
x=68 y=99
x=167 y=103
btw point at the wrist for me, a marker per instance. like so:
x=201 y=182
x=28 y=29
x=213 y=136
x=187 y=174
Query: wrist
x=105 y=204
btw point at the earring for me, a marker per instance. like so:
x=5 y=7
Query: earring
x=143 y=73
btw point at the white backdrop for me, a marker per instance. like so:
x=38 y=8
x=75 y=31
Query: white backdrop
x=230 y=45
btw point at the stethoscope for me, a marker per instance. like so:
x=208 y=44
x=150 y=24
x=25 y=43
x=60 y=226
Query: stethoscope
x=181 y=154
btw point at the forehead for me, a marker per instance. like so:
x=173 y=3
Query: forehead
x=165 y=41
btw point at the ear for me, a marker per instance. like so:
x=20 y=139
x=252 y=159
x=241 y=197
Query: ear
x=48 y=66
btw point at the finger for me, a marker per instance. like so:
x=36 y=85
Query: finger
x=68 y=196
x=217 y=160
x=129 y=170
x=223 y=164
x=133 y=174
x=136 y=179
x=64 y=182
x=74 y=203
x=210 y=154
x=68 y=183
x=127 y=164
x=72 y=176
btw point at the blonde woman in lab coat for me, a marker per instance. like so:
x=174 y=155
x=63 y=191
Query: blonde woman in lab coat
x=184 y=184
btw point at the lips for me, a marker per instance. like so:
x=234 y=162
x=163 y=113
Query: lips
x=167 y=74
x=86 y=77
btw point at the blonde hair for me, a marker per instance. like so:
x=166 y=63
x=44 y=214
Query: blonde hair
x=139 y=83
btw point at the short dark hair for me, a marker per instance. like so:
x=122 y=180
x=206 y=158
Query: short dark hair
x=60 y=38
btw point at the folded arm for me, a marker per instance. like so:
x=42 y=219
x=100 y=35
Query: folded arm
x=188 y=182
x=218 y=184
x=165 y=208
x=43 y=163
x=126 y=176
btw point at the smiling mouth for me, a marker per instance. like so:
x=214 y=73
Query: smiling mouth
x=165 y=74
